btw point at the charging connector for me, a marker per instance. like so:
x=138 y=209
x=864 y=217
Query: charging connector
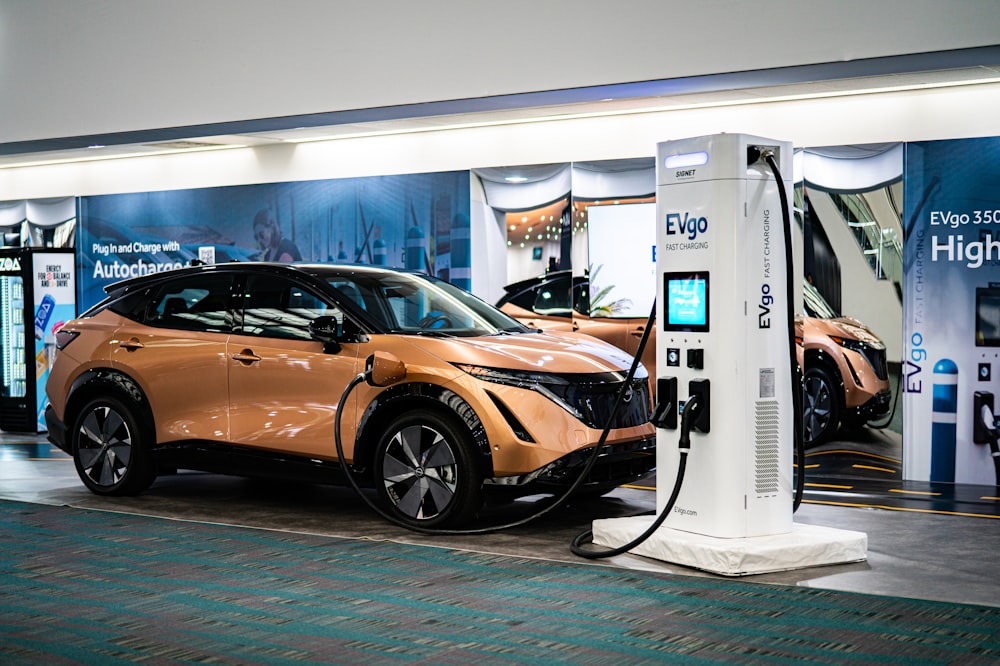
x=984 y=427
x=701 y=389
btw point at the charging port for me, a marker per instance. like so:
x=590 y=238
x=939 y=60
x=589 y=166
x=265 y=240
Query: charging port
x=665 y=412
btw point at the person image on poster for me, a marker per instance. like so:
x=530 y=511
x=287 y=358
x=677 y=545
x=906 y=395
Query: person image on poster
x=273 y=246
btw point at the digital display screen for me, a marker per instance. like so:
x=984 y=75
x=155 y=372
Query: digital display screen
x=988 y=316
x=686 y=296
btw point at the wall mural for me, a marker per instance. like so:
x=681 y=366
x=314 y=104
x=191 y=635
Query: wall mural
x=418 y=221
x=952 y=314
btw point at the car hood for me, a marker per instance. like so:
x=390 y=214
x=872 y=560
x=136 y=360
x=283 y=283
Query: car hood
x=539 y=352
x=845 y=327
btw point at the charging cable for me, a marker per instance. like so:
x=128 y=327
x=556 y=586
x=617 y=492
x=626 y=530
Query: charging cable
x=799 y=440
x=584 y=473
x=688 y=415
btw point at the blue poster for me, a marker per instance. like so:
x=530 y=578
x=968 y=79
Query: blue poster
x=417 y=221
x=54 y=304
x=951 y=308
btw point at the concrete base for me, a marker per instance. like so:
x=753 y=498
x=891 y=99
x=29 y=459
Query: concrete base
x=805 y=546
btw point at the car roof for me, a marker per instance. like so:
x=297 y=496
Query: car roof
x=316 y=270
x=538 y=279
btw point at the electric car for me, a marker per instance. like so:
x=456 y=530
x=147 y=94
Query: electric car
x=239 y=369
x=846 y=378
x=845 y=382
x=559 y=301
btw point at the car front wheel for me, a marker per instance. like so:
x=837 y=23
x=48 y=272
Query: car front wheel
x=426 y=471
x=111 y=449
x=820 y=406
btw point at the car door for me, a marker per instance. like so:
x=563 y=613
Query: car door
x=283 y=387
x=174 y=345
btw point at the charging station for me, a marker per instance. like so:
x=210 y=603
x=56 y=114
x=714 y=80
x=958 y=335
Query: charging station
x=724 y=337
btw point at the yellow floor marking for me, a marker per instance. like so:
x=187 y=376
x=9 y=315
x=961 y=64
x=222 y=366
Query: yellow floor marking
x=900 y=508
x=828 y=485
x=877 y=469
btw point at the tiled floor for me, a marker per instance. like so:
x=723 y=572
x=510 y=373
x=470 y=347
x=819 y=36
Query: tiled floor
x=924 y=550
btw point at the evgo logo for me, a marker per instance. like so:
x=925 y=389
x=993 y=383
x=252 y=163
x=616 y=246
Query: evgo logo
x=688 y=225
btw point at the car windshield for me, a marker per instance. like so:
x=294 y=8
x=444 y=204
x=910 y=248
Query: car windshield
x=816 y=305
x=420 y=305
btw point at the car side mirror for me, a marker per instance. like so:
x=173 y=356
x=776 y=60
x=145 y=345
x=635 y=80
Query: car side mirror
x=326 y=329
x=384 y=369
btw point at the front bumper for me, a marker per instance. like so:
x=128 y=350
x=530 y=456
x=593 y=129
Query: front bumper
x=877 y=407
x=616 y=464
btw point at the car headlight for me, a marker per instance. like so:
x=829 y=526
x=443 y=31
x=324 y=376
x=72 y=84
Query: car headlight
x=853 y=345
x=533 y=381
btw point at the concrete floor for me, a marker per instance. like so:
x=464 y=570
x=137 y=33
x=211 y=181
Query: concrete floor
x=910 y=553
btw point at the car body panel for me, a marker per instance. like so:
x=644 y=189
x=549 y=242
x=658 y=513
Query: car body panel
x=297 y=418
x=187 y=369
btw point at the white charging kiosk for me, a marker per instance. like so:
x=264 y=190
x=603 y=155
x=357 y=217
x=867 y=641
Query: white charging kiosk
x=723 y=334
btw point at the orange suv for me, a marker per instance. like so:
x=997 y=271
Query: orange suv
x=239 y=368
x=846 y=380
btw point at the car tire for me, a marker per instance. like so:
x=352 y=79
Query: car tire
x=426 y=471
x=820 y=406
x=112 y=448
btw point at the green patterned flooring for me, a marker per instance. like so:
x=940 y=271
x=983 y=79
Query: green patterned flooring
x=83 y=586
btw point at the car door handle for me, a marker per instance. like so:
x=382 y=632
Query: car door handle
x=246 y=357
x=637 y=333
x=131 y=344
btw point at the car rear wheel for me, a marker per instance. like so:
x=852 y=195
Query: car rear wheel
x=111 y=448
x=426 y=471
x=820 y=406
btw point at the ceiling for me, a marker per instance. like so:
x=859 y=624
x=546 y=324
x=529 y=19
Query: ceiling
x=965 y=67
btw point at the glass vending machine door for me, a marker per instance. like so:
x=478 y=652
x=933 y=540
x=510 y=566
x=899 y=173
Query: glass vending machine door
x=13 y=369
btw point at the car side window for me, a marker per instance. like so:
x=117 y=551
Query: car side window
x=581 y=297
x=553 y=298
x=194 y=303
x=276 y=307
x=524 y=299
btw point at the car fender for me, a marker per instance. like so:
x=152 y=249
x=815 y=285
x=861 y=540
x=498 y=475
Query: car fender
x=87 y=386
x=404 y=396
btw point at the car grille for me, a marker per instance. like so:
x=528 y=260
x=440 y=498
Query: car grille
x=877 y=359
x=595 y=402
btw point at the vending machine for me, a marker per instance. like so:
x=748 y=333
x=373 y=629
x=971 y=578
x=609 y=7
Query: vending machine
x=37 y=295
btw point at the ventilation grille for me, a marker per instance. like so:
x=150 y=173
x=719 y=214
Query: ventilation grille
x=766 y=429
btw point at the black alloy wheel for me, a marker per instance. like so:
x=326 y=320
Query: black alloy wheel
x=111 y=448
x=426 y=471
x=820 y=406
